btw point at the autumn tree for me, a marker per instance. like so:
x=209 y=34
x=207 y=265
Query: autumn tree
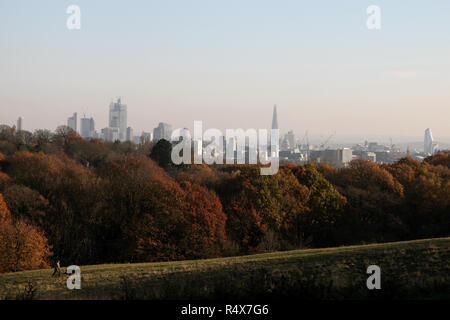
x=440 y=159
x=150 y=217
x=427 y=197
x=72 y=194
x=22 y=247
x=325 y=206
x=26 y=204
x=374 y=199
x=42 y=141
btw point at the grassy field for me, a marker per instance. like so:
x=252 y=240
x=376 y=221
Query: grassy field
x=409 y=270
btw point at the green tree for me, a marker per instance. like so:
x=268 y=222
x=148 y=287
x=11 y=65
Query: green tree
x=162 y=153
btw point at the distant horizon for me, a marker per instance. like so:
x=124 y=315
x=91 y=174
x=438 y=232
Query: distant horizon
x=314 y=138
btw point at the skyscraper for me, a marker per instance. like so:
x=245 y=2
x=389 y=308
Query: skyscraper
x=162 y=131
x=274 y=152
x=290 y=137
x=20 y=124
x=274 y=118
x=428 y=142
x=87 y=127
x=110 y=134
x=118 y=118
x=430 y=147
x=130 y=134
x=72 y=122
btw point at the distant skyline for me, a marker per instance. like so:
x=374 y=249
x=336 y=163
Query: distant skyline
x=227 y=63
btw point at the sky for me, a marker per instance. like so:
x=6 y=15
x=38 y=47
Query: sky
x=228 y=62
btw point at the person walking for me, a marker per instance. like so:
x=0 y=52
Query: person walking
x=57 y=269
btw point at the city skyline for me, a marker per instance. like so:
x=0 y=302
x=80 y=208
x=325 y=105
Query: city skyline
x=342 y=140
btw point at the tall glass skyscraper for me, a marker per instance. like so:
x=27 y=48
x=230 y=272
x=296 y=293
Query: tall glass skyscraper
x=72 y=122
x=428 y=145
x=118 y=118
x=162 y=131
x=275 y=118
x=87 y=127
x=274 y=152
x=20 y=124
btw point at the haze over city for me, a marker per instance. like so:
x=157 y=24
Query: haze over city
x=228 y=64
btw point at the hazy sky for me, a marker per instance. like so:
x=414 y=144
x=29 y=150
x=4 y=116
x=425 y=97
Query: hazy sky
x=228 y=62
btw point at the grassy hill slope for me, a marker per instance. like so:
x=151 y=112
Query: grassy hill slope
x=413 y=269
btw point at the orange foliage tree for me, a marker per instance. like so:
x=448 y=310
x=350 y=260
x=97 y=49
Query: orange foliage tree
x=427 y=197
x=442 y=159
x=70 y=197
x=22 y=247
x=150 y=217
x=374 y=199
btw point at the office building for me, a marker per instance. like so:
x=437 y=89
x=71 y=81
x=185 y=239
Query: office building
x=275 y=118
x=72 y=122
x=87 y=127
x=20 y=124
x=290 y=137
x=337 y=158
x=110 y=134
x=274 y=152
x=162 y=131
x=429 y=146
x=118 y=118
x=130 y=134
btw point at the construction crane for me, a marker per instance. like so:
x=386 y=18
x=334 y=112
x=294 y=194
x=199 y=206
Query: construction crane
x=324 y=144
x=305 y=137
x=392 y=145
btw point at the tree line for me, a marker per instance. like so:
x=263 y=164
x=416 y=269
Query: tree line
x=87 y=202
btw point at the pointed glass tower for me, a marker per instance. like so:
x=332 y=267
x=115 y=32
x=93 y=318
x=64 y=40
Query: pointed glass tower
x=274 y=145
x=274 y=118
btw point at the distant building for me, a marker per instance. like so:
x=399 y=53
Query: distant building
x=429 y=147
x=274 y=153
x=146 y=136
x=389 y=157
x=130 y=134
x=288 y=142
x=428 y=142
x=337 y=158
x=290 y=137
x=285 y=145
x=275 y=118
x=375 y=147
x=118 y=119
x=20 y=124
x=372 y=156
x=110 y=134
x=367 y=155
x=230 y=149
x=162 y=131
x=87 y=127
x=72 y=122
